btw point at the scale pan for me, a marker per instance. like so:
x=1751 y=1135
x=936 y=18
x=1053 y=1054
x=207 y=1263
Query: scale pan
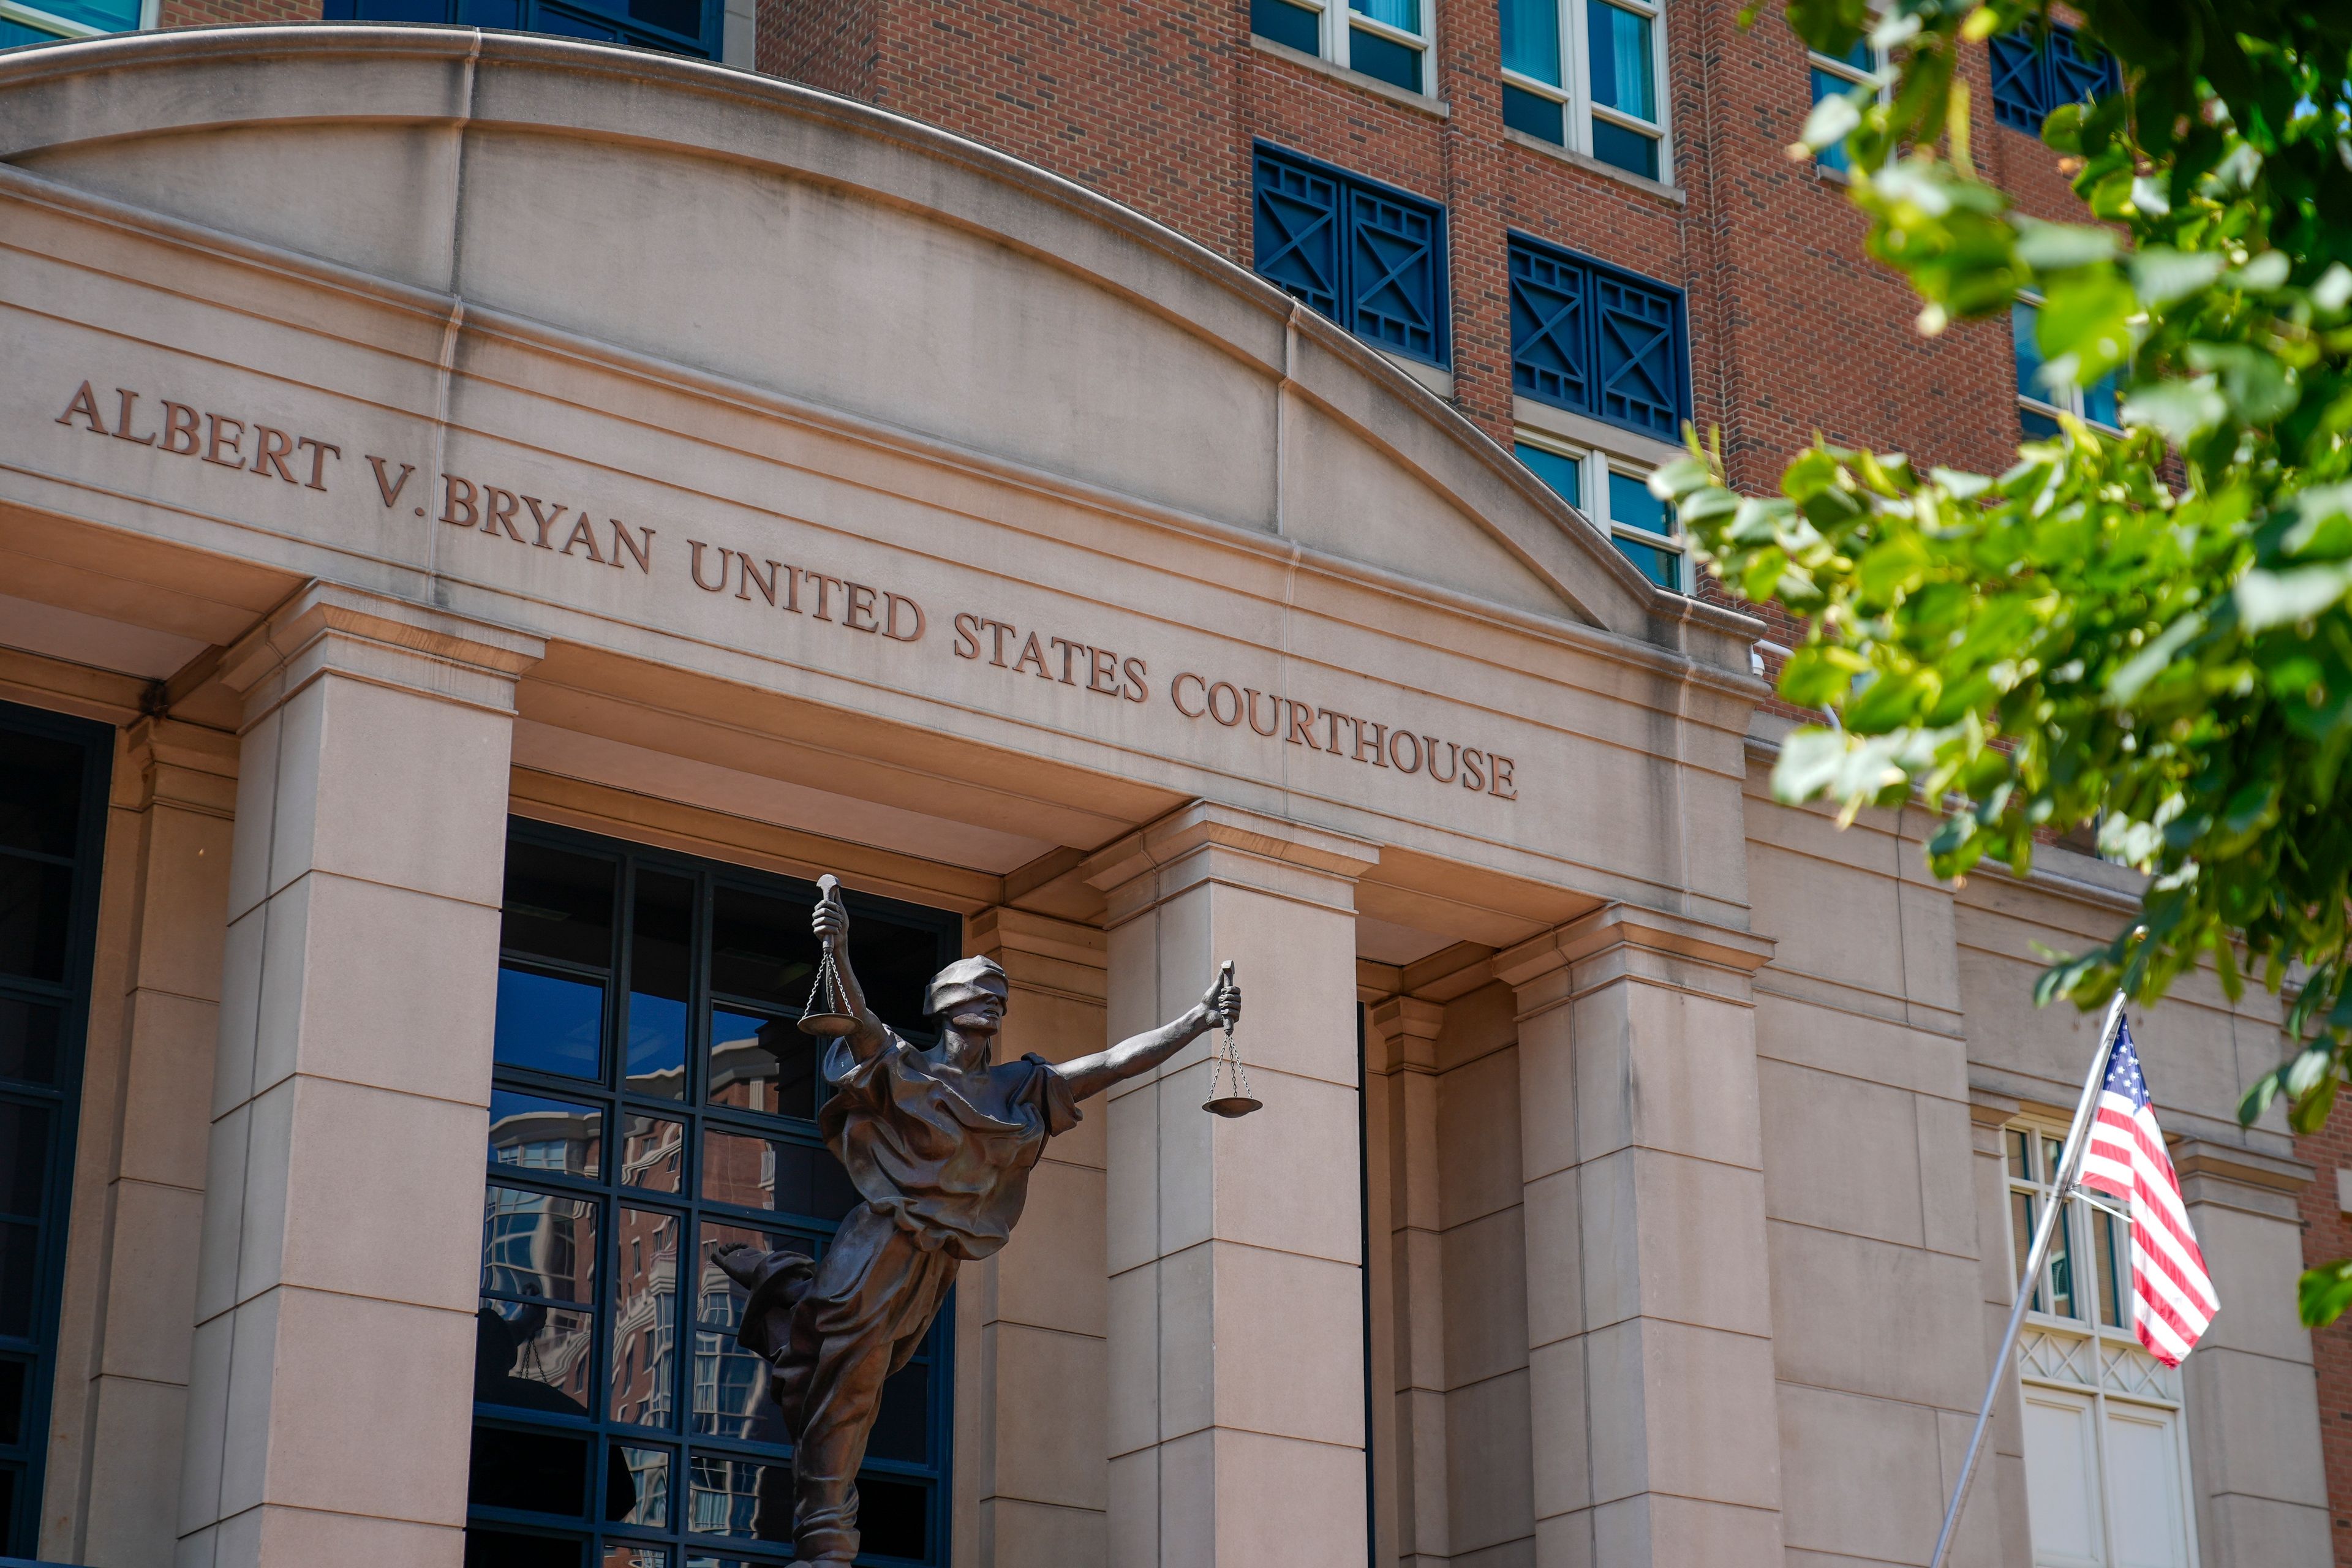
x=829 y=1025
x=1232 y=1105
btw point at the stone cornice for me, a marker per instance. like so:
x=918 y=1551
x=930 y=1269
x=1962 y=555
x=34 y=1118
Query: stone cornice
x=328 y=627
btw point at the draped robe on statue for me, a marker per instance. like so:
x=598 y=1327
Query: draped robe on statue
x=944 y=1180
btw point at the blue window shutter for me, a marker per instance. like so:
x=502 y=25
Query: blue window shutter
x=1639 y=362
x=2020 y=91
x=1396 y=274
x=1297 y=231
x=1370 y=257
x=2078 y=71
x=1550 y=328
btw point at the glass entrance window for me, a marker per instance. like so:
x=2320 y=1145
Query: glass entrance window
x=53 y=774
x=652 y=1103
x=690 y=27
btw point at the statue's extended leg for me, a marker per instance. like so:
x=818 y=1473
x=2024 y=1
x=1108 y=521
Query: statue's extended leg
x=874 y=1296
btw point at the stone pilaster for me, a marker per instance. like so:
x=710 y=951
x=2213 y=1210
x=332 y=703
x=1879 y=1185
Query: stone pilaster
x=1656 y=1440
x=1409 y=1283
x=330 y=1391
x=1235 y=1304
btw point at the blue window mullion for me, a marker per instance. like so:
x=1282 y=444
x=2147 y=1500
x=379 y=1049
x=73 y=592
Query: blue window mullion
x=1598 y=340
x=1371 y=257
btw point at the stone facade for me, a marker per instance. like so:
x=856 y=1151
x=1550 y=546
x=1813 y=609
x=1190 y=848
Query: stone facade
x=695 y=458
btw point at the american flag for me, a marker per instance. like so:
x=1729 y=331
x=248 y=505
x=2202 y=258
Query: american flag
x=2172 y=1297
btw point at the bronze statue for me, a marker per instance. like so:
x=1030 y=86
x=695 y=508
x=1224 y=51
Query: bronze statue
x=939 y=1143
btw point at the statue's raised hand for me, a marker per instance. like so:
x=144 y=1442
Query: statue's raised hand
x=829 y=920
x=1221 y=1006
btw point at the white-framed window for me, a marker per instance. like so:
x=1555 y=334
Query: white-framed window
x=1615 y=493
x=47 y=21
x=2039 y=406
x=2107 y=1457
x=1387 y=40
x=1590 y=76
x=1835 y=76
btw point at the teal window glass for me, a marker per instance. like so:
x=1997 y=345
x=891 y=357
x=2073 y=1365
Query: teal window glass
x=688 y=28
x=1564 y=474
x=2102 y=401
x=1828 y=84
x=1384 y=59
x=1405 y=16
x=1531 y=39
x=651 y=1101
x=1627 y=150
x=1545 y=119
x=2022 y=316
x=106 y=15
x=1296 y=25
x=1623 y=77
x=1663 y=567
x=1860 y=56
x=1631 y=503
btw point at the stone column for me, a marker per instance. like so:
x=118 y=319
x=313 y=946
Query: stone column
x=143 y=1138
x=1236 y=1305
x=1414 y=1466
x=1656 y=1440
x=1033 y=1383
x=331 y=1393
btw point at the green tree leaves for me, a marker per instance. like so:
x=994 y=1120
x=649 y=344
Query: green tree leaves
x=2149 y=629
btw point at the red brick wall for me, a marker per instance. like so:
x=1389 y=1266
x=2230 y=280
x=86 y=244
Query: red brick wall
x=2327 y=1237
x=203 y=12
x=828 y=44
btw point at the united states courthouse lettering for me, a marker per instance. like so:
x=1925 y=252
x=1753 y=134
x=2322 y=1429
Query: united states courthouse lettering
x=486 y=520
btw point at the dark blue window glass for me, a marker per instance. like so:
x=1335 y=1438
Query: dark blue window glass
x=1828 y=84
x=53 y=776
x=1370 y=257
x=1627 y=150
x=1631 y=502
x=1286 y=24
x=1546 y=119
x=1589 y=337
x=652 y=1103
x=676 y=27
x=2033 y=72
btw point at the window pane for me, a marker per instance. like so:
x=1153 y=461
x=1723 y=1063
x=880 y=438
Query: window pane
x=36 y=898
x=1286 y=24
x=531 y=1132
x=543 y=1472
x=19 y=1265
x=1627 y=150
x=2061 y=1272
x=644 y=1317
x=1380 y=57
x=902 y=1426
x=2023 y=1213
x=779 y=1173
x=2054 y=1159
x=40 y=789
x=895 y=1516
x=2036 y=426
x=1565 y=475
x=558 y=905
x=660 y=965
x=29 y=1041
x=2109 y=1242
x=24 y=1157
x=1663 y=567
x=488 y=1548
x=636 y=1487
x=1403 y=14
x=12 y=1401
x=1828 y=84
x=1859 y=57
x=653 y=1153
x=751 y=1499
x=763 y=1064
x=550 y=1024
x=1631 y=502
x=2022 y=316
x=532 y=1357
x=1531 y=39
x=1623 y=79
x=2102 y=400
x=762 y=947
x=1545 y=119
x=629 y=1554
x=2020 y=1155
x=537 y=1246
x=895 y=962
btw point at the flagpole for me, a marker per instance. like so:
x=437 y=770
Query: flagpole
x=2070 y=1165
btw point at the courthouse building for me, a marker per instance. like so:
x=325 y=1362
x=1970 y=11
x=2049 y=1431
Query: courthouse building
x=486 y=520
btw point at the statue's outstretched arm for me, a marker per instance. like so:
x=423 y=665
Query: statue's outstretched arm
x=831 y=923
x=1131 y=1058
